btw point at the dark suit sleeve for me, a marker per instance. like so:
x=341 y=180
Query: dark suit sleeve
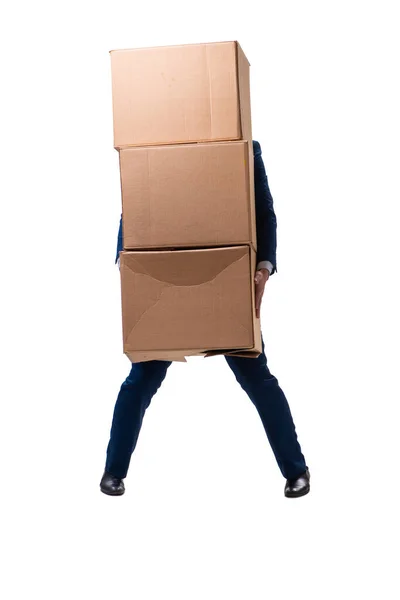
x=120 y=243
x=266 y=223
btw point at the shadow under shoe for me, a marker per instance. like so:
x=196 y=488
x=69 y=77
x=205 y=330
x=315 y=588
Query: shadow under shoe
x=300 y=486
x=113 y=486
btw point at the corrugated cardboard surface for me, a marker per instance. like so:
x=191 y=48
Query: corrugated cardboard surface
x=178 y=94
x=188 y=302
x=257 y=343
x=187 y=195
x=245 y=110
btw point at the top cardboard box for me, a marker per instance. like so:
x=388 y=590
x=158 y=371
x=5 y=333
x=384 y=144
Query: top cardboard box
x=180 y=94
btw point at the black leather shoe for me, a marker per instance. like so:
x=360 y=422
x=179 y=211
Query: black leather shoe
x=113 y=486
x=298 y=486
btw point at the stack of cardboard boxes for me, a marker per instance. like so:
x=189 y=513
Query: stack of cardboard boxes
x=182 y=126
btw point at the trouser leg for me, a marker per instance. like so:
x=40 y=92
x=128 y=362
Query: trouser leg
x=264 y=391
x=133 y=399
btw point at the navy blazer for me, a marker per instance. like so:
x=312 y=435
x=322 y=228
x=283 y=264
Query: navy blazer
x=265 y=215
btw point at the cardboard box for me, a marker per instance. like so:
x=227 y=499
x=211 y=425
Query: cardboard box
x=180 y=94
x=188 y=195
x=189 y=303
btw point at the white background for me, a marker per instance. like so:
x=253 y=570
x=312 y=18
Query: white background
x=204 y=515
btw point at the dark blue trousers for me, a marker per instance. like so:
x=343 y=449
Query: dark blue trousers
x=256 y=380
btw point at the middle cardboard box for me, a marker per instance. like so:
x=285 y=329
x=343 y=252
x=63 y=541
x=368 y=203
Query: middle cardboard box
x=188 y=195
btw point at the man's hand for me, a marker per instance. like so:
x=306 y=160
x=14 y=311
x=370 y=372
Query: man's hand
x=261 y=277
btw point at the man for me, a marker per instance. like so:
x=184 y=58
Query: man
x=253 y=375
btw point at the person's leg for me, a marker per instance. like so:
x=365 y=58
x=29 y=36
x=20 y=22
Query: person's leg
x=263 y=390
x=133 y=399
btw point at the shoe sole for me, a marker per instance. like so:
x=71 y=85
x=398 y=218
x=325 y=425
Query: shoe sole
x=298 y=494
x=112 y=493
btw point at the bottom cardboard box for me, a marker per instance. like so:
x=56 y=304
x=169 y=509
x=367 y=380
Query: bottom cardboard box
x=194 y=302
